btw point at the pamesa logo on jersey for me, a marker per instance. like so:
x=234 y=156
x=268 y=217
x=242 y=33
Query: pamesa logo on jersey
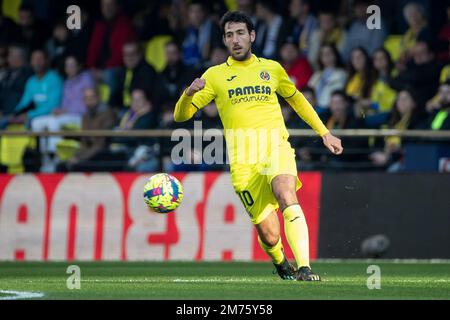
x=264 y=75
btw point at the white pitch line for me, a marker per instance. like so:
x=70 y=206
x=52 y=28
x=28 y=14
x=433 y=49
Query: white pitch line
x=16 y=295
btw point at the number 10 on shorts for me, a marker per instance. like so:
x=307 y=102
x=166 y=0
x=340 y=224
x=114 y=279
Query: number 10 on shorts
x=246 y=198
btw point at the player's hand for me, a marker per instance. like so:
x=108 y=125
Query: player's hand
x=332 y=143
x=196 y=85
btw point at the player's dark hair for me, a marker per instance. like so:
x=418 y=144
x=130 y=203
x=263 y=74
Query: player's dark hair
x=236 y=16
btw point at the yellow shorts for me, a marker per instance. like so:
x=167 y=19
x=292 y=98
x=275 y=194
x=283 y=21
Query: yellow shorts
x=253 y=183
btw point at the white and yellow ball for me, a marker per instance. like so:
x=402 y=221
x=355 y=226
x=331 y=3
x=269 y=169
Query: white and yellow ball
x=163 y=193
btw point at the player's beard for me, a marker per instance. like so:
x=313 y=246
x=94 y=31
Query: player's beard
x=244 y=56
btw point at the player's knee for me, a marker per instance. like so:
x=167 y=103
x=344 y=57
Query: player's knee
x=270 y=239
x=286 y=198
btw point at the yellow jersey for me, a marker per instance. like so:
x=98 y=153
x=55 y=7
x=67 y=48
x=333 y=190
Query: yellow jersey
x=245 y=93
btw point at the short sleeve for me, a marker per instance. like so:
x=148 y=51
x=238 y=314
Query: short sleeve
x=207 y=94
x=286 y=88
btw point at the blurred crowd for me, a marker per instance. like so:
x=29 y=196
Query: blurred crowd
x=127 y=65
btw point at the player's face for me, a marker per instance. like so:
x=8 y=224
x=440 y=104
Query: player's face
x=238 y=40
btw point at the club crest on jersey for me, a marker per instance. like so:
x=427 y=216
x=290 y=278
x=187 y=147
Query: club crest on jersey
x=264 y=75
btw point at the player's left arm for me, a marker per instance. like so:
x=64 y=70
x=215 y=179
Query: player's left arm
x=303 y=108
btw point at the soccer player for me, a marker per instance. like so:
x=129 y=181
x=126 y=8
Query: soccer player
x=262 y=162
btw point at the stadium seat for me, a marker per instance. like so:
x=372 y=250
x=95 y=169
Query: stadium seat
x=392 y=45
x=231 y=5
x=155 y=51
x=10 y=9
x=66 y=148
x=12 y=149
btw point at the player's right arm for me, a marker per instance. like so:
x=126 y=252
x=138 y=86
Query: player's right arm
x=195 y=97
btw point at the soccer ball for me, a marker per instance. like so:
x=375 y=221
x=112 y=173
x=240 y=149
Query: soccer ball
x=163 y=193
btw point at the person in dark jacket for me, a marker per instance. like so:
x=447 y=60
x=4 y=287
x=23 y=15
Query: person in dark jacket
x=421 y=74
x=13 y=84
x=136 y=74
x=438 y=117
x=176 y=76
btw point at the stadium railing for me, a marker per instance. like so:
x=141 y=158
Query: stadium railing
x=425 y=137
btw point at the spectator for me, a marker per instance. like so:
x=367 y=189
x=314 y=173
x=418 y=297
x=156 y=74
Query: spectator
x=438 y=113
x=136 y=73
x=56 y=46
x=31 y=33
x=13 y=84
x=140 y=116
x=421 y=74
x=139 y=153
x=43 y=91
x=97 y=117
x=200 y=36
x=302 y=24
x=405 y=115
x=71 y=110
x=328 y=32
x=338 y=116
x=271 y=32
x=297 y=67
x=77 y=81
x=418 y=30
x=110 y=34
x=383 y=96
x=358 y=35
x=330 y=75
x=361 y=79
x=176 y=76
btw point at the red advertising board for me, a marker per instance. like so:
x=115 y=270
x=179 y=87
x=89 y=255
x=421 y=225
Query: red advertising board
x=103 y=217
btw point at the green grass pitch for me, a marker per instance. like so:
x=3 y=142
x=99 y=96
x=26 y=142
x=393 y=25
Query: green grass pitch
x=233 y=280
